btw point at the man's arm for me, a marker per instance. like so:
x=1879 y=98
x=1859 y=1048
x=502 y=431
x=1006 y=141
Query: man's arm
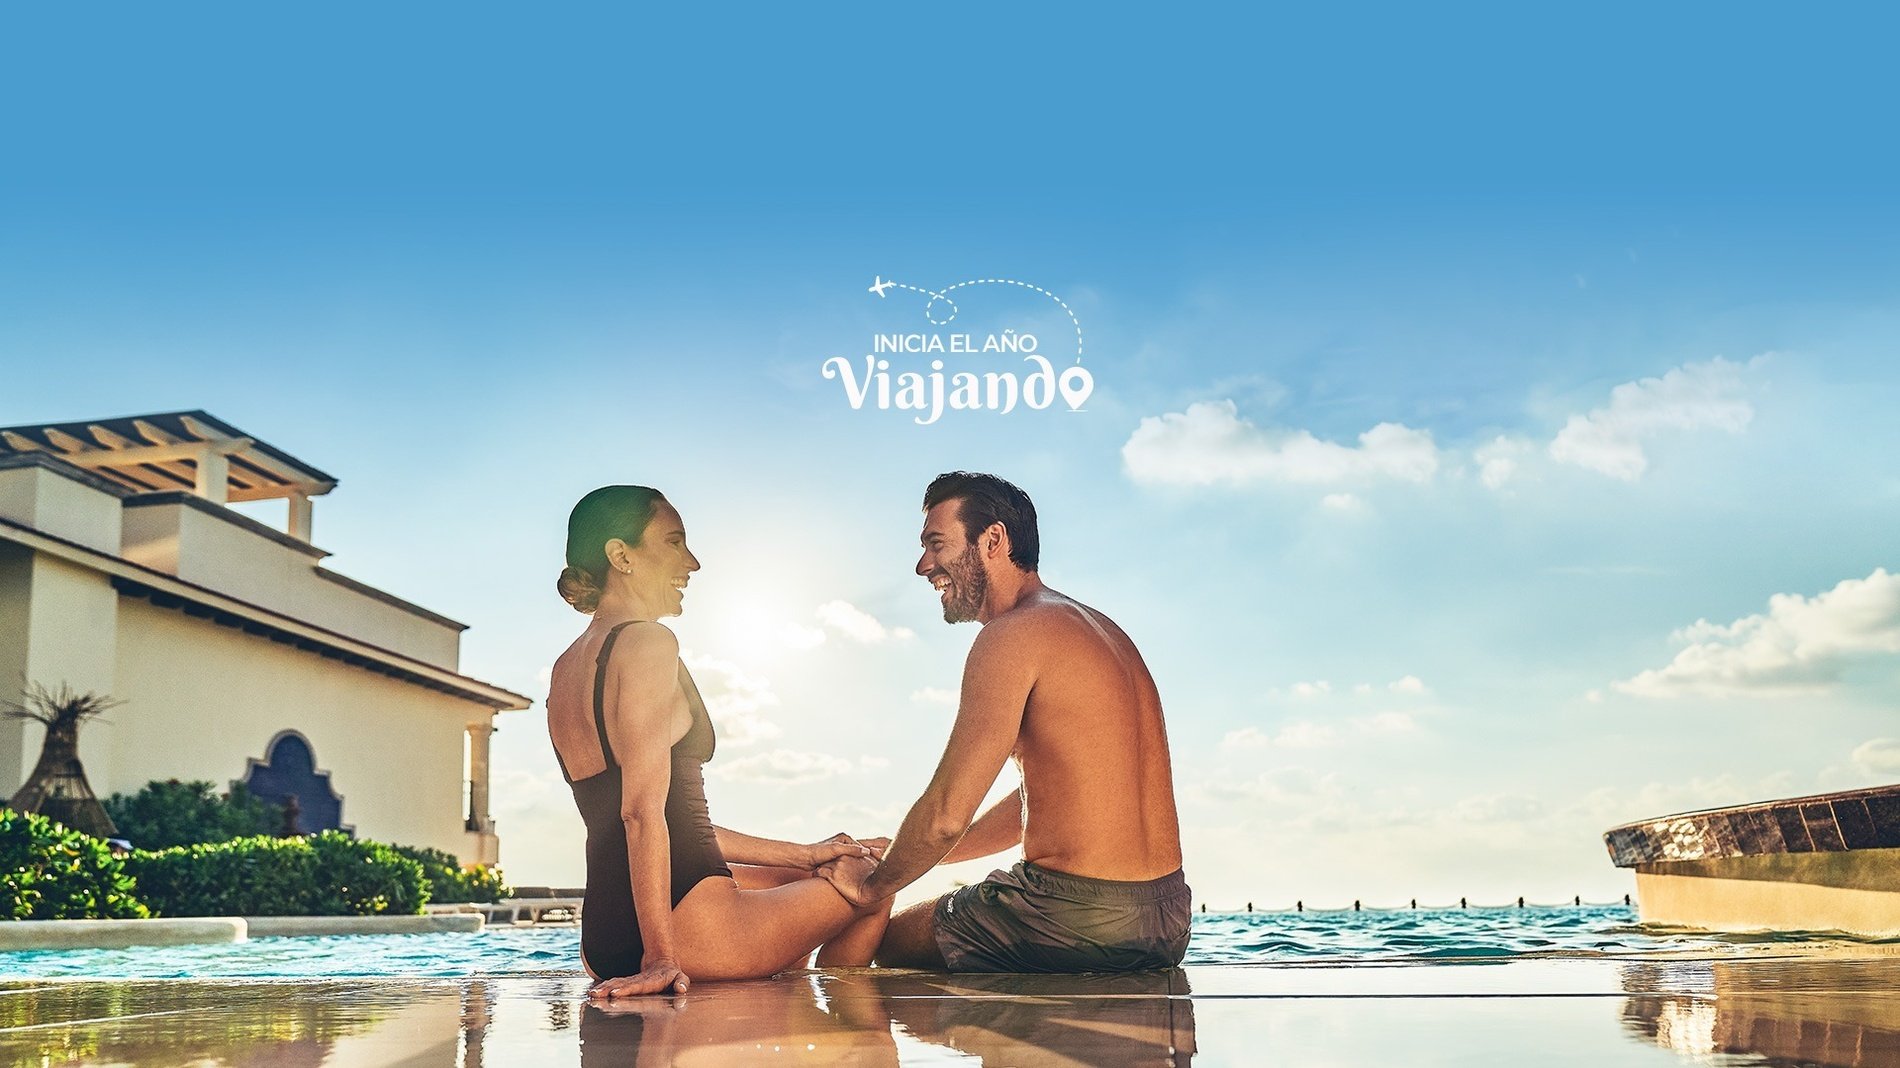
x=997 y=679
x=994 y=831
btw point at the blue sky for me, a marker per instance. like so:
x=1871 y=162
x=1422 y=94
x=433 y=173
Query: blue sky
x=1621 y=284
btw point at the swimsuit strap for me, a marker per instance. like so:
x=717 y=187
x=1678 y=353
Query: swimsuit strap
x=600 y=692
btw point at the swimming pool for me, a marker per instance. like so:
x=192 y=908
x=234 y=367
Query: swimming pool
x=1261 y=937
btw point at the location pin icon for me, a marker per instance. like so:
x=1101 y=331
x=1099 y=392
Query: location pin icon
x=1076 y=384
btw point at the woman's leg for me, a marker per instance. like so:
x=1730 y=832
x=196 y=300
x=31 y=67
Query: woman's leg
x=852 y=947
x=723 y=932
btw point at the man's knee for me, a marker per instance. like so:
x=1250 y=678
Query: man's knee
x=911 y=940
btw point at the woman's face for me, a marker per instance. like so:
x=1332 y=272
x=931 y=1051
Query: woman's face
x=658 y=567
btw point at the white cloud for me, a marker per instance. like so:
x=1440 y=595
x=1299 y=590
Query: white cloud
x=1879 y=756
x=783 y=767
x=1800 y=645
x=1498 y=461
x=863 y=819
x=872 y=763
x=1245 y=738
x=1306 y=734
x=799 y=636
x=1695 y=396
x=1299 y=734
x=1386 y=723
x=1410 y=684
x=1209 y=443
x=735 y=700
x=1294 y=787
x=1302 y=734
x=1341 y=502
x=931 y=695
x=848 y=620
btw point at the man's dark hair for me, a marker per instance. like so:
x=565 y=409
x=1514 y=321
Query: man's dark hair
x=987 y=499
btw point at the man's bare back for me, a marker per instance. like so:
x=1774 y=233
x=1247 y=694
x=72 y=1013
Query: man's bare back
x=1098 y=788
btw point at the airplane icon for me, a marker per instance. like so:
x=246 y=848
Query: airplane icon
x=879 y=285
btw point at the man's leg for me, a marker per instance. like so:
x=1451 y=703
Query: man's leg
x=911 y=941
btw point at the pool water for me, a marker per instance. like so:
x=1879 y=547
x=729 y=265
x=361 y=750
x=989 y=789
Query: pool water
x=1245 y=938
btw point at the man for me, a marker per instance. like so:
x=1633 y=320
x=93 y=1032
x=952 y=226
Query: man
x=1057 y=685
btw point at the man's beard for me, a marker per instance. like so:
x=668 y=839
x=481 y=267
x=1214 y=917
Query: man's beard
x=969 y=585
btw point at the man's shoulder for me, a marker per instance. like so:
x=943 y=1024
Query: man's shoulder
x=1047 y=618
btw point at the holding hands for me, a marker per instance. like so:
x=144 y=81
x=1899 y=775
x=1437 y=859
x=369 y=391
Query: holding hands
x=847 y=875
x=840 y=846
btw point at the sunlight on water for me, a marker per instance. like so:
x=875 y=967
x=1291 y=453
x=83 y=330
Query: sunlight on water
x=1246 y=938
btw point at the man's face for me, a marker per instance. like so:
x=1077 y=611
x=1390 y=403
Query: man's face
x=951 y=563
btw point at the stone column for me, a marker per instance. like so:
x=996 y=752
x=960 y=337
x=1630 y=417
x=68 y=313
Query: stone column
x=478 y=819
x=214 y=476
x=299 y=524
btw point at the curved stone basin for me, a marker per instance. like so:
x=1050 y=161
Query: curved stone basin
x=1827 y=862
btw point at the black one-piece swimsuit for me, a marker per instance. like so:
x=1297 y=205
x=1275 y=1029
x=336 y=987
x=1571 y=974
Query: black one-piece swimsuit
x=610 y=931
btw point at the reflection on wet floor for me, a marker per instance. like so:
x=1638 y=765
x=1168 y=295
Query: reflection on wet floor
x=853 y=1017
x=1770 y=1011
x=859 y=1021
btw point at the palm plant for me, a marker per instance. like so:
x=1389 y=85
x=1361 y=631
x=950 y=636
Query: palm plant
x=57 y=788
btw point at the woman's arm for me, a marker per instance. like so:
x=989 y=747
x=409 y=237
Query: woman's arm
x=740 y=848
x=642 y=692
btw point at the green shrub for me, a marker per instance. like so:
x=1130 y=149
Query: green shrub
x=172 y=813
x=365 y=878
x=450 y=883
x=328 y=874
x=48 y=872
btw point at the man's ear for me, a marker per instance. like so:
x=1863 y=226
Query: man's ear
x=996 y=541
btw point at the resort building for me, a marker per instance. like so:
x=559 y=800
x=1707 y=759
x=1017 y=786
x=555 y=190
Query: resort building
x=237 y=655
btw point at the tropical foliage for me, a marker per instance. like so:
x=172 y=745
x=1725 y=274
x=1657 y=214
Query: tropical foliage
x=48 y=872
x=173 y=813
x=450 y=883
x=327 y=874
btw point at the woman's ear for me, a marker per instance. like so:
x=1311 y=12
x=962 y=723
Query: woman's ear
x=619 y=557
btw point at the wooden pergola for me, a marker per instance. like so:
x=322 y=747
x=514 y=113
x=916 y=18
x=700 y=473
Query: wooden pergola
x=173 y=452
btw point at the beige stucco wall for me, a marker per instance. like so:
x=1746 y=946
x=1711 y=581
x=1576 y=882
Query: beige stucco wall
x=16 y=580
x=56 y=504
x=57 y=628
x=202 y=699
x=219 y=550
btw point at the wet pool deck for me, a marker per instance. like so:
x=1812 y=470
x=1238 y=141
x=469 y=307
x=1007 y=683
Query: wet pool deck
x=1757 y=1009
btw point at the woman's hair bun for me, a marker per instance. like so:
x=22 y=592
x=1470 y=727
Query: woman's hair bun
x=607 y=513
x=579 y=588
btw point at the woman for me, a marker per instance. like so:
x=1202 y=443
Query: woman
x=669 y=895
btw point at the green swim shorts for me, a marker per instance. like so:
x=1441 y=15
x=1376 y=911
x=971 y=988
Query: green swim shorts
x=1032 y=919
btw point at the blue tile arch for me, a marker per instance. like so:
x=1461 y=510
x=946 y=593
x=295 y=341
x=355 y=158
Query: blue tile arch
x=289 y=770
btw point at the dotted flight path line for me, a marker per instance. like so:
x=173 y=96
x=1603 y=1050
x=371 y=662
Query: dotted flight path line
x=944 y=296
